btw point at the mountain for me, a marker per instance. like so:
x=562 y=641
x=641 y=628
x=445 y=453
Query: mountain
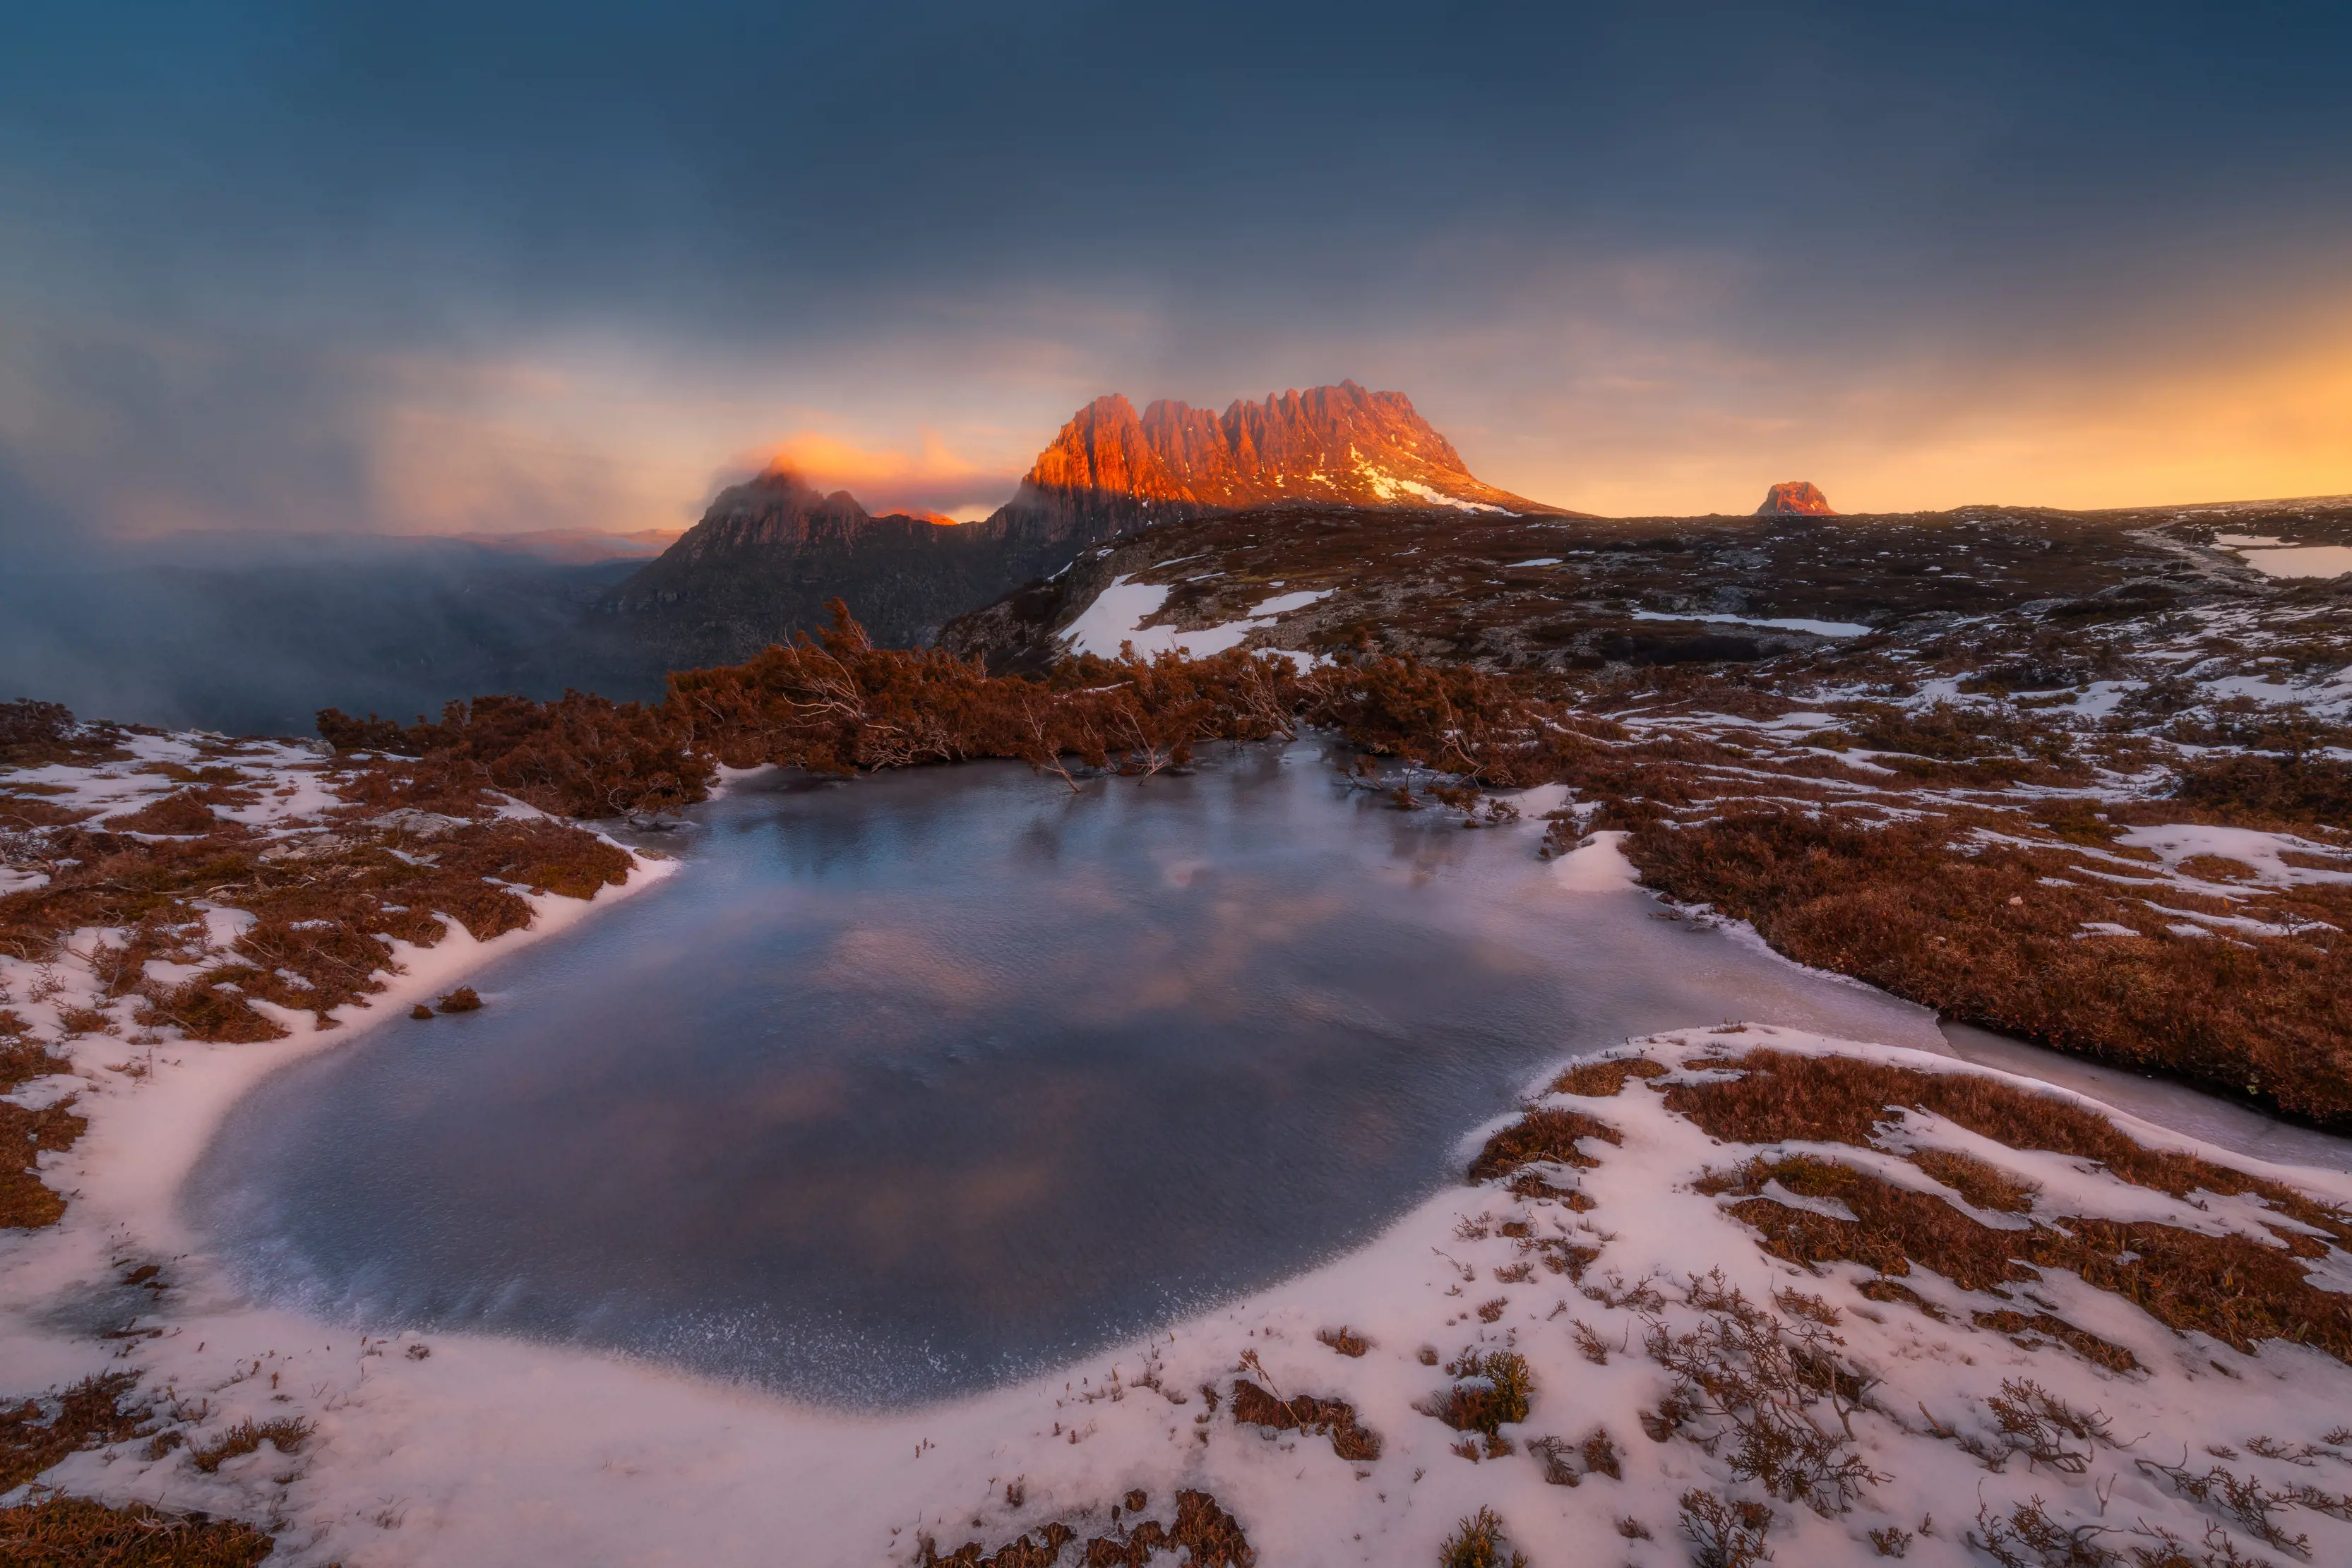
x=1799 y=498
x=770 y=553
x=1340 y=445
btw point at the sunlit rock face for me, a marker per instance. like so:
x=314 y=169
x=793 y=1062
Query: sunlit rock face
x=1798 y=495
x=770 y=554
x=1339 y=444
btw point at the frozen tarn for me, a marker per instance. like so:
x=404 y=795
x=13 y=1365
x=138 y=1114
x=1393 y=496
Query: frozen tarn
x=796 y=1039
x=2276 y=557
x=1778 y=623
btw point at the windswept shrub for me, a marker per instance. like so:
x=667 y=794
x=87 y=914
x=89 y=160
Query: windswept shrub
x=579 y=756
x=1758 y=1379
x=1491 y=1389
x=834 y=703
x=1479 y=1542
x=37 y=734
x=1724 y=1533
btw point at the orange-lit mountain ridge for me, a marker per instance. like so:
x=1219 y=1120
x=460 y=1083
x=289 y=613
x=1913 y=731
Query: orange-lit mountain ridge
x=770 y=553
x=1338 y=445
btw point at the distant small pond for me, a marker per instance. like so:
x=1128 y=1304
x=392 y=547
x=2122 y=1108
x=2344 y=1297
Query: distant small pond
x=910 y=1085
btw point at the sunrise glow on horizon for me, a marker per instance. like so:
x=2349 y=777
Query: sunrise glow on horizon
x=2013 y=256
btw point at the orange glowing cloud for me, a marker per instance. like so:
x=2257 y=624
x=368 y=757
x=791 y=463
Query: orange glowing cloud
x=932 y=482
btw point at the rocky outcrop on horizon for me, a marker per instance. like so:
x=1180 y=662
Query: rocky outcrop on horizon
x=1798 y=497
x=771 y=553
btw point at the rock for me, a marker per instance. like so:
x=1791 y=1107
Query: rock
x=769 y=554
x=1799 y=496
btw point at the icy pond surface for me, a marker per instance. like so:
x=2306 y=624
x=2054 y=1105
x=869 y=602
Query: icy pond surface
x=911 y=1085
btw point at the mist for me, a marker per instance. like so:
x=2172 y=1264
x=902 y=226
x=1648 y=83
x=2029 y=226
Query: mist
x=253 y=635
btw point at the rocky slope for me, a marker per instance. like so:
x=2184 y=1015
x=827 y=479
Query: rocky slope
x=1563 y=594
x=771 y=553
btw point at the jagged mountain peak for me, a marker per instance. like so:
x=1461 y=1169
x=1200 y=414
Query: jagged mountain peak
x=1334 y=445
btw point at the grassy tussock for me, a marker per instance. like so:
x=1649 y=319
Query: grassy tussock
x=1601 y=1079
x=1479 y=1542
x=1254 y=1407
x=287 y=1436
x=1546 y=1134
x=1491 y=1389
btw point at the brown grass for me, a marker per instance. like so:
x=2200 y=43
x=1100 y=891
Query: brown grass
x=1479 y=1542
x=1542 y=1135
x=1213 y=1538
x=2235 y=1289
x=186 y=813
x=24 y=1136
x=1254 y=1407
x=322 y=907
x=87 y=1416
x=287 y=1436
x=836 y=704
x=1492 y=1389
x=1981 y=1182
x=1344 y=1340
x=36 y=734
x=1841 y=1099
x=1895 y=905
x=2021 y=1326
x=73 y=1533
x=2257 y=787
x=1600 y=1080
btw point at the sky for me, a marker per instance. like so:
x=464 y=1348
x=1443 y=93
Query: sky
x=492 y=268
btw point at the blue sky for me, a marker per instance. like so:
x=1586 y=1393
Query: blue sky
x=442 y=269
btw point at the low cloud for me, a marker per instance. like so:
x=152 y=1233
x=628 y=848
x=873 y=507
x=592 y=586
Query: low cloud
x=933 y=478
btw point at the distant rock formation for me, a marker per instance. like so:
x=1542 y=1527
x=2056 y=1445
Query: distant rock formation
x=1799 y=496
x=770 y=553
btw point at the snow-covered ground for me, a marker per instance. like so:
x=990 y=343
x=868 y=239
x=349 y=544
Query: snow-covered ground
x=468 y=1450
x=1118 y=615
